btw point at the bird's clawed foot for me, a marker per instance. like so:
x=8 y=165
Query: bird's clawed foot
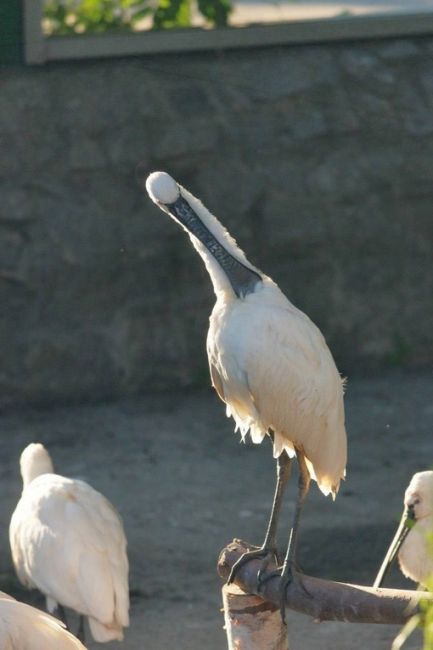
x=286 y=578
x=268 y=554
x=287 y=575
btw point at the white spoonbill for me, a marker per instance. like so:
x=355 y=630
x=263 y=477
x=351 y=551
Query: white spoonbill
x=23 y=627
x=268 y=362
x=67 y=540
x=413 y=541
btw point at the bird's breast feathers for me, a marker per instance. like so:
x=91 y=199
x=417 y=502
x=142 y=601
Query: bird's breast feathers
x=265 y=343
x=414 y=556
x=272 y=367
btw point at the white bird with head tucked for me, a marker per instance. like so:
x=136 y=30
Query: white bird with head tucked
x=67 y=540
x=413 y=541
x=268 y=362
x=23 y=627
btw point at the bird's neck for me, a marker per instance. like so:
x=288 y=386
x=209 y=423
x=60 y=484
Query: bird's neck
x=32 y=470
x=425 y=520
x=242 y=279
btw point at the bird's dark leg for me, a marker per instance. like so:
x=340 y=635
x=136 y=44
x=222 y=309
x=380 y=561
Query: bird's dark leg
x=61 y=614
x=269 y=546
x=80 y=632
x=283 y=475
x=289 y=560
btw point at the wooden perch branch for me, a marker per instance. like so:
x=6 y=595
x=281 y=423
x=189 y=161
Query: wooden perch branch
x=322 y=599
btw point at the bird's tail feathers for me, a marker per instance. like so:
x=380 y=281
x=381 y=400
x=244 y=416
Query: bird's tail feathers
x=121 y=595
x=247 y=419
x=328 y=485
x=103 y=633
x=282 y=444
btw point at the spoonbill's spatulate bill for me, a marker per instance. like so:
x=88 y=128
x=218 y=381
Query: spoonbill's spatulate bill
x=23 y=627
x=268 y=362
x=413 y=541
x=67 y=540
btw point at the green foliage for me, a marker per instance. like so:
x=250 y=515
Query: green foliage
x=172 y=13
x=99 y=16
x=177 y=13
x=217 y=13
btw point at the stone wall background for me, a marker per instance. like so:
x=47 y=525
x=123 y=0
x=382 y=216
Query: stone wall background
x=318 y=159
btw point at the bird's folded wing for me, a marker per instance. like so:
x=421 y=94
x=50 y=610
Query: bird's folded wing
x=70 y=543
x=23 y=626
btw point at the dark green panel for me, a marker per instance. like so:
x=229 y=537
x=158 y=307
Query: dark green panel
x=11 y=31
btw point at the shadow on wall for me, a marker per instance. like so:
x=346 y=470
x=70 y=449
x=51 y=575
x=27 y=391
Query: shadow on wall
x=310 y=156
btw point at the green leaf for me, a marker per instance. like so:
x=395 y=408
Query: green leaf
x=142 y=13
x=99 y=16
x=172 y=13
x=216 y=11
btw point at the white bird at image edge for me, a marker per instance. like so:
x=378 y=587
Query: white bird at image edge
x=413 y=541
x=67 y=540
x=23 y=627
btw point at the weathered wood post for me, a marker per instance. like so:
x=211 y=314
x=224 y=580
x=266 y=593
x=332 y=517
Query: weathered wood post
x=251 y=623
x=325 y=600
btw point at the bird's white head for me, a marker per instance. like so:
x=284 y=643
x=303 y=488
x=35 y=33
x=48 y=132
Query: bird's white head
x=419 y=495
x=162 y=188
x=34 y=461
x=229 y=269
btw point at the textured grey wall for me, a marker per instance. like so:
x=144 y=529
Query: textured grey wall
x=317 y=158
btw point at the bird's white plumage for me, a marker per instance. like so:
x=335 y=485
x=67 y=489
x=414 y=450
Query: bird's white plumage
x=416 y=553
x=34 y=461
x=23 y=627
x=162 y=188
x=279 y=375
x=271 y=366
x=67 y=540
